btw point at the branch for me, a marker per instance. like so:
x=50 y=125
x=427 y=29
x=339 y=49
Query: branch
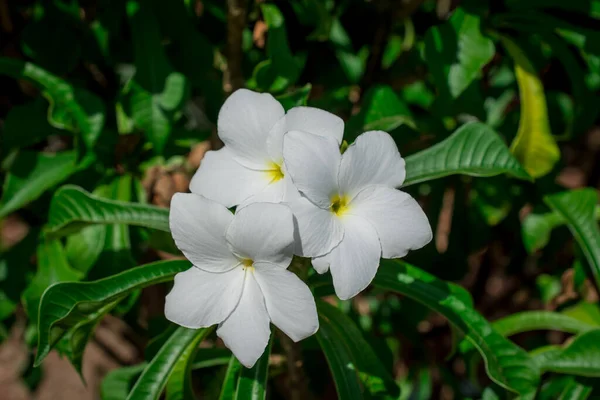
x=233 y=78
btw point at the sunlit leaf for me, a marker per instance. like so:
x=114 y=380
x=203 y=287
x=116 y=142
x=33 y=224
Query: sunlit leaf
x=72 y=209
x=52 y=268
x=66 y=307
x=151 y=383
x=252 y=382
x=506 y=364
x=579 y=357
x=456 y=52
x=534 y=146
x=578 y=208
x=474 y=149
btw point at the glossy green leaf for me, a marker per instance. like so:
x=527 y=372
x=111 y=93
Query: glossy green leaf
x=151 y=383
x=252 y=382
x=67 y=306
x=84 y=247
x=534 y=146
x=116 y=255
x=157 y=91
x=295 y=98
x=474 y=149
x=577 y=389
x=80 y=111
x=579 y=357
x=72 y=209
x=179 y=385
x=52 y=268
x=540 y=320
x=118 y=382
x=31 y=174
x=578 y=209
x=456 y=52
x=526 y=321
x=343 y=368
x=231 y=379
x=375 y=378
x=506 y=364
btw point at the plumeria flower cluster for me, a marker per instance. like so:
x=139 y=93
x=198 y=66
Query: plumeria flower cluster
x=295 y=193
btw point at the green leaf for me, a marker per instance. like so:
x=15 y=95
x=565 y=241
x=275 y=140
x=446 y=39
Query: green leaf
x=343 y=368
x=157 y=91
x=506 y=364
x=534 y=146
x=578 y=208
x=31 y=174
x=52 y=268
x=72 y=209
x=151 y=383
x=539 y=320
x=231 y=378
x=580 y=357
x=474 y=150
x=295 y=98
x=67 y=306
x=118 y=382
x=456 y=52
x=80 y=110
x=84 y=247
x=371 y=372
x=116 y=255
x=179 y=385
x=577 y=389
x=382 y=110
x=252 y=382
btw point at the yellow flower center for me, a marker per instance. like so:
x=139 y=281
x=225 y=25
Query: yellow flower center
x=248 y=264
x=274 y=172
x=339 y=205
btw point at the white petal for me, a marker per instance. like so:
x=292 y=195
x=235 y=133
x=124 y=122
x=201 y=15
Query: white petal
x=354 y=262
x=246 y=332
x=290 y=303
x=263 y=232
x=200 y=299
x=244 y=124
x=224 y=180
x=291 y=193
x=398 y=219
x=198 y=226
x=317 y=230
x=273 y=193
x=373 y=159
x=313 y=163
x=321 y=264
x=305 y=119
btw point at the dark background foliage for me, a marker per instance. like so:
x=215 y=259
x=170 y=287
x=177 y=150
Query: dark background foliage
x=121 y=99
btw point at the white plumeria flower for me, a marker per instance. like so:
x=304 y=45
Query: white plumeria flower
x=250 y=166
x=239 y=279
x=350 y=214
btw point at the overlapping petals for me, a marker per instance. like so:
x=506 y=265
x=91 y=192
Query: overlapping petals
x=351 y=214
x=250 y=167
x=239 y=278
